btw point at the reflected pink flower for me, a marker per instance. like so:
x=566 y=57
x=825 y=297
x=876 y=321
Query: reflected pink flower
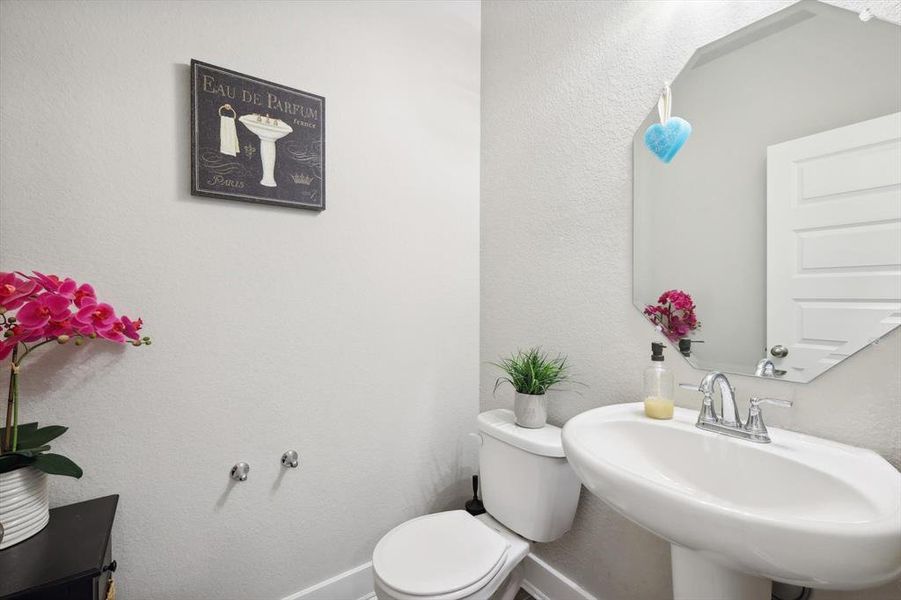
x=674 y=314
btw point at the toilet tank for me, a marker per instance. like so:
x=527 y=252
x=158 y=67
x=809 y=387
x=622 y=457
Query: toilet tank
x=526 y=482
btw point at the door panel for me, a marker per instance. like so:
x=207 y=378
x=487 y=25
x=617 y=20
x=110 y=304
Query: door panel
x=833 y=243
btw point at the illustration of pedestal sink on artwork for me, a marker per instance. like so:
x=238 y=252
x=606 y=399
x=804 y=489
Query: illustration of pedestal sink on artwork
x=800 y=510
x=269 y=131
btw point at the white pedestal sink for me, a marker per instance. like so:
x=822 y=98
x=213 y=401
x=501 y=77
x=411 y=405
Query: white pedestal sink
x=269 y=131
x=801 y=510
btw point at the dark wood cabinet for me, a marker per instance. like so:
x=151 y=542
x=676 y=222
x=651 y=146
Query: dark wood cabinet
x=71 y=559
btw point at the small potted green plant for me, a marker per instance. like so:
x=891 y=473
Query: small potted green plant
x=532 y=373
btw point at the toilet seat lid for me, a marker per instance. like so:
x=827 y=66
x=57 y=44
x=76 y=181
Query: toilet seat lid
x=438 y=554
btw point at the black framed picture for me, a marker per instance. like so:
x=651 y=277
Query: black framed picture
x=256 y=141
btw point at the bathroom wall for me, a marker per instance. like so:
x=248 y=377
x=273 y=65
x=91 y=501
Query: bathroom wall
x=350 y=335
x=565 y=86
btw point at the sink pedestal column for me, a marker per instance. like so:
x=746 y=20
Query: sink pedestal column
x=267 y=156
x=698 y=578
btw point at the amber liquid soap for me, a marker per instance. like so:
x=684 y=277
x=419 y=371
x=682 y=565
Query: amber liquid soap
x=658 y=386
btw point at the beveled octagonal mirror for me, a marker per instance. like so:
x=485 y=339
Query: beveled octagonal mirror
x=780 y=217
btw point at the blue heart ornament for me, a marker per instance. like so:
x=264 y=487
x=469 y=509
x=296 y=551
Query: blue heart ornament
x=667 y=139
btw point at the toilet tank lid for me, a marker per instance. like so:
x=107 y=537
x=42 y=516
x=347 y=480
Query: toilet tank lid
x=500 y=425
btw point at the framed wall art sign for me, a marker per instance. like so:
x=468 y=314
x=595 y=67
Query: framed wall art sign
x=256 y=141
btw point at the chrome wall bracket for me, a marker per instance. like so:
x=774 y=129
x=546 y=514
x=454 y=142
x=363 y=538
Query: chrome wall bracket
x=239 y=471
x=290 y=459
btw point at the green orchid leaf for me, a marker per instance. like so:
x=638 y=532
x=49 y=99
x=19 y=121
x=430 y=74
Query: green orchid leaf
x=29 y=452
x=27 y=427
x=38 y=437
x=11 y=462
x=56 y=464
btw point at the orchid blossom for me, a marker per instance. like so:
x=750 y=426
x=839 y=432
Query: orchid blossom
x=38 y=309
x=674 y=314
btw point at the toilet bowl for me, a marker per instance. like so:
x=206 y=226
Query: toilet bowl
x=448 y=556
x=530 y=493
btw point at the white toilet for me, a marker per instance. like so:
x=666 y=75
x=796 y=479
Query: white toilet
x=530 y=493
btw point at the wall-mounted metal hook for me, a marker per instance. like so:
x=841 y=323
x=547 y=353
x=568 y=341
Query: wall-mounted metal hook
x=239 y=471
x=289 y=459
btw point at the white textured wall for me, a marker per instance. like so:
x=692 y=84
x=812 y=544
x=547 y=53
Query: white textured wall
x=565 y=86
x=350 y=335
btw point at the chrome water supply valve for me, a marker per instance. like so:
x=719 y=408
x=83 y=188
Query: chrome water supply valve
x=290 y=459
x=239 y=471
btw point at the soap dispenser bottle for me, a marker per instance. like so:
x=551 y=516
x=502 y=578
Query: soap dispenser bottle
x=658 y=386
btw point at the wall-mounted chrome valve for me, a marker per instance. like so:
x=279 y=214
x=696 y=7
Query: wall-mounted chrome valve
x=239 y=471
x=289 y=459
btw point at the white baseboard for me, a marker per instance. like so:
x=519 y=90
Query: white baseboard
x=544 y=582
x=355 y=584
x=541 y=580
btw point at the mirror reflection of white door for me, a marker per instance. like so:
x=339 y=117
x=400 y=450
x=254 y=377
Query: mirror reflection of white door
x=833 y=243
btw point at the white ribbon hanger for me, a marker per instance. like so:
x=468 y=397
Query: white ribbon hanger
x=665 y=104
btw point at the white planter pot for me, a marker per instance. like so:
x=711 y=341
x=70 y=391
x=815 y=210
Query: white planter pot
x=530 y=411
x=24 y=504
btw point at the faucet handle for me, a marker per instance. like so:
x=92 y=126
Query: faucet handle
x=755 y=425
x=708 y=413
x=756 y=402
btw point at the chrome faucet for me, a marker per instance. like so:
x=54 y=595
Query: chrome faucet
x=765 y=368
x=728 y=422
x=728 y=407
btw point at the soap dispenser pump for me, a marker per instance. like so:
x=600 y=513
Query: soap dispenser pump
x=658 y=386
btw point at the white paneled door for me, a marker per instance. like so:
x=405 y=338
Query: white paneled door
x=833 y=243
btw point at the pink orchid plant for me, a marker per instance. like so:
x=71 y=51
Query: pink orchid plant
x=36 y=310
x=674 y=314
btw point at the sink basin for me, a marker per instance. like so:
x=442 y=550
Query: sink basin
x=269 y=131
x=801 y=509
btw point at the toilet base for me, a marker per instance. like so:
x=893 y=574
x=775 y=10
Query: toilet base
x=506 y=591
x=511 y=586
